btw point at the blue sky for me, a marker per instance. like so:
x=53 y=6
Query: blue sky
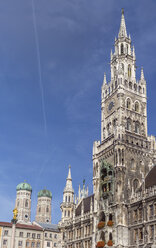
x=75 y=38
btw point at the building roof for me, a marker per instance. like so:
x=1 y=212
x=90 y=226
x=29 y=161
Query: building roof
x=44 y=193
x=150 y=179
x=22 y=226
x=24 y=186
x=86 y=201
x=49 y=227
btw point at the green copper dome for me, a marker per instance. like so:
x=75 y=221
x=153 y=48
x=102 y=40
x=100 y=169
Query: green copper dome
x=24 y=186
x=44 y=193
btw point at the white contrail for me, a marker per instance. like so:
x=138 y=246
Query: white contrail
x=39 y=68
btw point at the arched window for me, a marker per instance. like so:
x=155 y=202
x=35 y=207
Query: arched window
x=128 y=127
x=110 y=217
x=135 y=87
x=129 y=71
x=26 y=203
x=110 y=236
x=68 y=213
x=130 y=85
x=47 y=210
x=136 y=106
x=102 y=216
x=122 y=48
x=102 y=236
x=39 y=210
x=132 y=164
x=66 y=199
x=135 y=184
x=69 y=198
x=139 y=89
x=137 y=127
x=128 y=104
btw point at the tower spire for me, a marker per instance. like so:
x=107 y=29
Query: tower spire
x=122 y=31
x=69 y=180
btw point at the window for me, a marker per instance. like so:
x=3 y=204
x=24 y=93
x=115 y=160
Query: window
x=33 y=235
x=135 y=235
x=19 y=243
x=110 y=217
x=122 y=48
x=5 y=241
x=151 y=212
x=137 y=127
x=68 y=213
x=110 y=236
x=135 y=184
x=137 y=107
x=32 y=244
x=28 y=235
x=69 y=198
x=140 y=213
x=55 y=236
x=27 y=244
x=47 y=210
x=38 y=236
x=128 y=125
x=39 y=209
x=45 y=235
x=129 y=71
x=38 y=244
x=21 y=234
x=151 y=231
x=5 y=232
x=50 y=235
x=128 y=104
x=66 y=199
x=26 y=203
x=55 y=245
x=140 y=234
x=48 y=244
x=135 y=215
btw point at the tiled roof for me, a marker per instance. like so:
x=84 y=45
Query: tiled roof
x=150 y=179
x=22 y=226
x=86 y=201
x=50 y=227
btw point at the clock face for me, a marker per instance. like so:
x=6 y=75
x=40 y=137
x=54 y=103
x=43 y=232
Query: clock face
x=110 y=106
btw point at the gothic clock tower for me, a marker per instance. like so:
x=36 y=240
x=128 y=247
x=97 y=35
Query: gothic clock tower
x=125 y=150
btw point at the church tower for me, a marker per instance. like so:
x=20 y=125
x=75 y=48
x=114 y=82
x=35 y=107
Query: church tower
x=43 y=213
x=68 y=198
x=23 y=202
x=126 y=152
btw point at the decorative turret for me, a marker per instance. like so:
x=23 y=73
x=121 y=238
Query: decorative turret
x=43 y=214
x=82 y=193
x=23 y=202
x=68 y=198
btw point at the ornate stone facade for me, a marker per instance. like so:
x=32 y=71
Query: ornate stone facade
x=121 y=212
